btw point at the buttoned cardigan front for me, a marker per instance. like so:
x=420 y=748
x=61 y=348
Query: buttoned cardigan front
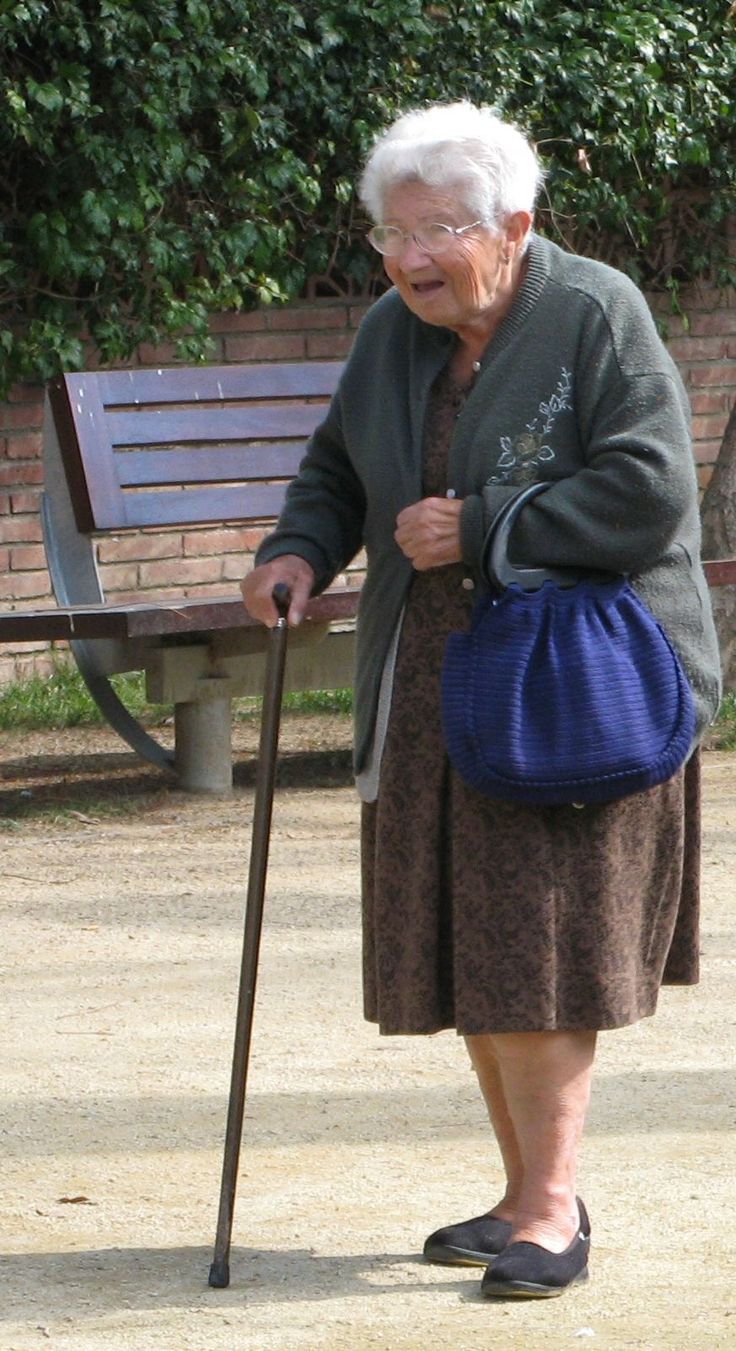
x=575 y=387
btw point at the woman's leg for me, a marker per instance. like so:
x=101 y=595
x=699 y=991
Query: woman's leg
x=485 y=1063
x=537 y=1088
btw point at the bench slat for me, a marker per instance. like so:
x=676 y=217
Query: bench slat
x=177 y=427
x=230 y=464
x=215 y=612
x=158 y=618
x=203 y=506
x=216 y=383
x=27 y=626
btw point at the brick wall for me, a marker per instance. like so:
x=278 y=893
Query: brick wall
x=210 y=561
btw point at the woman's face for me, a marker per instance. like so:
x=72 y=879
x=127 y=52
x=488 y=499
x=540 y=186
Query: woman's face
x=463 y=286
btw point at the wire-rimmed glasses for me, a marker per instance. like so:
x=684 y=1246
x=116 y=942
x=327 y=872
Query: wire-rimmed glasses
x=432 y=238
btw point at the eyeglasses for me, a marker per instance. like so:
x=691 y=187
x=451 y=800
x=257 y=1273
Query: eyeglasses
x=434 y=238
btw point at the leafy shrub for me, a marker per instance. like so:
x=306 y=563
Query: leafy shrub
x=163 y=159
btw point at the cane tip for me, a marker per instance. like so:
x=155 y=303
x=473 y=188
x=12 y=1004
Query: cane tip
x=219 y=1277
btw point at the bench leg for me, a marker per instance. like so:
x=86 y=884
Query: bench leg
x=204 y=762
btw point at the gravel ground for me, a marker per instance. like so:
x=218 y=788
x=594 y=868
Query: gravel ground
x=121 y=949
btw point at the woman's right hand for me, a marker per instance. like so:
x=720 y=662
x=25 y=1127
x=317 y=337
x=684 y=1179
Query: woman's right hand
x=257 y=588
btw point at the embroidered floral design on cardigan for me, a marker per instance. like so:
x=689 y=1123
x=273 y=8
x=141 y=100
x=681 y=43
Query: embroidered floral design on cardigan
x=522 y=456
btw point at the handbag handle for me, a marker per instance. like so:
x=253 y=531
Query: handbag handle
x=502 y=573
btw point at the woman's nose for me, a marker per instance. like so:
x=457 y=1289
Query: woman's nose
x=412 y=254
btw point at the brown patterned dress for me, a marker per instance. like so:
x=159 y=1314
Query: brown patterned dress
x=488 y=916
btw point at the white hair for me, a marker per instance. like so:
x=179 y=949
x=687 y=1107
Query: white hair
x=460 y=146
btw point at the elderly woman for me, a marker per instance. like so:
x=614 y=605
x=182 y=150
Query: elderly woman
x=496 y=360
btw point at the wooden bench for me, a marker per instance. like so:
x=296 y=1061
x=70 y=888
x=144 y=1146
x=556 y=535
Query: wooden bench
x=141 y=449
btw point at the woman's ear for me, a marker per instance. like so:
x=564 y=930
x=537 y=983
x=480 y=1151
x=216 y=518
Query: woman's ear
x=517 y=228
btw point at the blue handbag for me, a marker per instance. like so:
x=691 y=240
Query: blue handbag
x=565 y=688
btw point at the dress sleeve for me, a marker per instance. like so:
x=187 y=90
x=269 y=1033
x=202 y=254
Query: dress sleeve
x=324 y=511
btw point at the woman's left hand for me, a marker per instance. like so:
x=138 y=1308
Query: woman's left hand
x=428 y=532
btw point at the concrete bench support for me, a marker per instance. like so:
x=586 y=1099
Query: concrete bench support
x=204 y=744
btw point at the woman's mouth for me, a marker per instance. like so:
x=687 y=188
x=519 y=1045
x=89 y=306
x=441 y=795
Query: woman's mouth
x=426 y=288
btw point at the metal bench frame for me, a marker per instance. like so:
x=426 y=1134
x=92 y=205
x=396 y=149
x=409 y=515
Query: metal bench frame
x=180 y=448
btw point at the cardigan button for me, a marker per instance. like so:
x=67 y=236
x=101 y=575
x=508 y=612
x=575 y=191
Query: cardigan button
x=467 y=584
x=450 y=493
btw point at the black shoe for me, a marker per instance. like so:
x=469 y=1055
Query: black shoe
x=470 y=1244
x=529 y=1271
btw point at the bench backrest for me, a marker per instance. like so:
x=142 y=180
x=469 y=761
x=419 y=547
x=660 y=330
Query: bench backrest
x=178 y=447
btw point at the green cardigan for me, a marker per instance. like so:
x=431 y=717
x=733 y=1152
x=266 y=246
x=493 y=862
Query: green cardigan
x=575 y=387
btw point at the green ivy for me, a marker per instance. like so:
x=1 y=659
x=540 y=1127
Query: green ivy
x=164 y=159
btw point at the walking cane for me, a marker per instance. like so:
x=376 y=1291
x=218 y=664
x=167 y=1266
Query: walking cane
x=267 y=750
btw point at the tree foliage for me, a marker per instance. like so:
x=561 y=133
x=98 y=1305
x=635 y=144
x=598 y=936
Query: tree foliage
x=163 y=159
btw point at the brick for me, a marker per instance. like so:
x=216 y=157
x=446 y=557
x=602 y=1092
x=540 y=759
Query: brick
x=149 y=355
x=251 y=539
x=181 y=572
x=4 y=504
x=705 y=474
x=26 y=557
x=671 y=326
x=731 y=351
x=706 y=452
x=709 y=402
x=330 y=315
x=94 y=362
x=25 y=502
x=24 y=585
x=23 y=445
x=704 y=428
x=21 y=416
x=151 y=596
x=235 y=566
x=698 y=349
x=718 y=374
x=720 y=322
x=357 y=313
x=335 y=345
x=117 y=575
x=17 y=475
x=20 y=650
x=21 y=530
x=246 y=321
x=256 y=536
x=28 y=662
x=138 y=547
x=266 y=347
x=26 y=394
x=132 y=597
x=4 y=560
x=215 y=542
x=209 y=589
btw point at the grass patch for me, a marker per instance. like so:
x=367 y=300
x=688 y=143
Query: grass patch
x=723 y=733
x=301 y=702
x=63 y=700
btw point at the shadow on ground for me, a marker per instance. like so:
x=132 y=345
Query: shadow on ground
x=36 y=784
x=85 y=1284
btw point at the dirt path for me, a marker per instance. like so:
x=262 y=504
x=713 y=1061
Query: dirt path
x=121 y=947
